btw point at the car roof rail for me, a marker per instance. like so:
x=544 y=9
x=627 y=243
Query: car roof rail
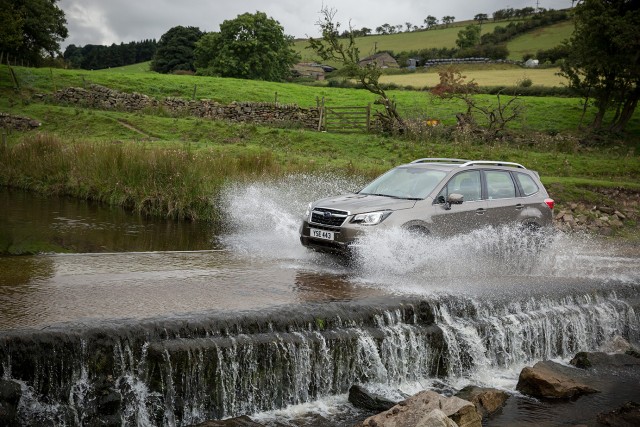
x=440 y=160
x=490 y=162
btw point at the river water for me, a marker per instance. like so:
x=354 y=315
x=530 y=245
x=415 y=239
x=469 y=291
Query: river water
x=277 y=332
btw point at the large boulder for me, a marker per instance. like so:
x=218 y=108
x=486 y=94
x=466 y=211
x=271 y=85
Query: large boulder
x=486 y=400
x=416 y=411
x=363 y=399
x=551 y=380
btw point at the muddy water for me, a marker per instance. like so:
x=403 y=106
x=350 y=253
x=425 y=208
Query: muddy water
x=31 y=223
x=95 y=264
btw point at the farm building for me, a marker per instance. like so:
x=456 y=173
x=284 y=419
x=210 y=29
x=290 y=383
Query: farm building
x=383 y=59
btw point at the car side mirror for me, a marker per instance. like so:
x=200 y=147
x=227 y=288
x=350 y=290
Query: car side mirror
x=453 y=199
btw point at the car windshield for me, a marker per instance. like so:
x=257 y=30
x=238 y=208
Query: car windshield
x=405 y=183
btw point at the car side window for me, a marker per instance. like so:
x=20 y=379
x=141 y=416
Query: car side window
x=527 y=184
x=499 y=185
x=466 y=183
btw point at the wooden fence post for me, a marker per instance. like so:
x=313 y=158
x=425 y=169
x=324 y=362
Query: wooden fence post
x=368 y=117
x=321 y=115
x=195 y=87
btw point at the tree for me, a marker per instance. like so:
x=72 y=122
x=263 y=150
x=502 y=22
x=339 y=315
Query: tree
x=468 y=37
x=430 y=21
x=29 y=29
x=481 y=17
x=453 y=85
x=604 y=59
x=446 y=20
x=331 y=47
x=176 y=50
x=251 y=46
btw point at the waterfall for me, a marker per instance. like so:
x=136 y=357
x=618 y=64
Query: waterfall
x=183 y=371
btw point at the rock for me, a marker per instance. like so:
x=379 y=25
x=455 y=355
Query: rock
x=586 y=360
x=616 y=345
x=550 y=380
x=627 y=415
x=437 y=418
x=606 y=209
x=363 y=399
x=10 y=393
x=486 y=400
x=242 y=421
x=416 y=411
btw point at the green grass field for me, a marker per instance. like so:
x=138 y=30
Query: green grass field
x=411 y=104
x=531 y=42
x=507 y=76
x=416 y=40
x=541 y=38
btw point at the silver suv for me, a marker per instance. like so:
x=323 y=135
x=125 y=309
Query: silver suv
x=431 y=196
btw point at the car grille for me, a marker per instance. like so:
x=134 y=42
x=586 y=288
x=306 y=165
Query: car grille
x=328 y=217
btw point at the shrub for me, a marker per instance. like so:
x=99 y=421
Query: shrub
x=525 y=82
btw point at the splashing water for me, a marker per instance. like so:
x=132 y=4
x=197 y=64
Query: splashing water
x=264 y=219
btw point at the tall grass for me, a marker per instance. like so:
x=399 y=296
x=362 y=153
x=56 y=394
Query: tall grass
x=170 y=183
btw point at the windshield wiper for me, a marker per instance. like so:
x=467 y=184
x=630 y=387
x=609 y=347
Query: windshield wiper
x=389 y=195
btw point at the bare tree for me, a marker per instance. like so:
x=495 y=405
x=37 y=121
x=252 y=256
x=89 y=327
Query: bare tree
x=331 y=47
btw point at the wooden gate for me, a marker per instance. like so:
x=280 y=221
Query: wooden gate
x=346 y=119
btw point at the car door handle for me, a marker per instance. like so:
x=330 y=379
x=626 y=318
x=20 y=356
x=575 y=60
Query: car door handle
x=480 y=211
x=519 y=206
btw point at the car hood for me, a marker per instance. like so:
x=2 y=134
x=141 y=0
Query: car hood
x=361 y=203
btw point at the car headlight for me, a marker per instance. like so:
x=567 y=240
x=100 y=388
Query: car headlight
x=308 y=211
x=371 y=218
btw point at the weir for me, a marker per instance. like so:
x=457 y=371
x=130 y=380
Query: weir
x=185 y=370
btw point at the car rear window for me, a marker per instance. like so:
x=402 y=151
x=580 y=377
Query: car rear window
x=527 y=184
x=500 y=185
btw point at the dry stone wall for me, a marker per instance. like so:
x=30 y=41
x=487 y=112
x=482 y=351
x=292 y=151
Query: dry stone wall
x=9 y=121
x=255 y=112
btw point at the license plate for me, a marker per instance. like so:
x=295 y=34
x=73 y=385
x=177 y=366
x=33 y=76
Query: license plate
x=321 y=234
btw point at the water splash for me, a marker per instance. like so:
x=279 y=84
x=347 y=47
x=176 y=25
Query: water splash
x=263 y=220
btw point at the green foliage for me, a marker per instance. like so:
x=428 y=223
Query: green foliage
x=553 y=55
x=603 y=58
x=175 y=50
x=525 y=82
x=96 y=57
x=251 y=46
x=330 y=46
x=468 y=37
x=30 y=27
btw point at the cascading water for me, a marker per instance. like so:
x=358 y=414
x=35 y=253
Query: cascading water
x=472 y=308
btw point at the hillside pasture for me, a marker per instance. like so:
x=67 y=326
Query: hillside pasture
x=566 y=112
x=415 y=40
x=540 y=38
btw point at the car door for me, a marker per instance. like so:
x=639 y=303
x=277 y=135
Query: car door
x=503 y=206
x=460 y=218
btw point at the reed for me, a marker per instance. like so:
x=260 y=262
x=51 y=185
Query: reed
x=176 y=183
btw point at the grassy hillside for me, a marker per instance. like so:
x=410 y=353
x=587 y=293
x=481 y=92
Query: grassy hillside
x=439 y=37
x=531 y=42
x=541 y=38
x=411 y=104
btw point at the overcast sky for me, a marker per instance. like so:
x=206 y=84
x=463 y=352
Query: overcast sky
x=115 y=21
